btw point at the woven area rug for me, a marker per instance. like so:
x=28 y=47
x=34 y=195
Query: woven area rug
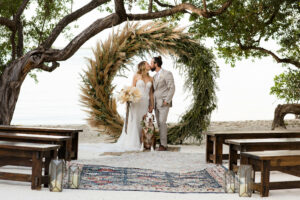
x=95 y=177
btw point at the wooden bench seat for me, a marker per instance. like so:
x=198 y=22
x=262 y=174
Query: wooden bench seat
x=65 y=142
x=74 y=133
x=36 y=156
x=246 y=145
x=215 y=140
x=265 y=161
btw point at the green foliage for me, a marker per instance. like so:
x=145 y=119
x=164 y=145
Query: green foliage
x=197 y=62
x=287 y=86
x=251 y=23
x=39 y=19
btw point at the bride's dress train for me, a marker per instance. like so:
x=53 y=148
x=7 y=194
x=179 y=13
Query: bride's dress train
x=130 y=141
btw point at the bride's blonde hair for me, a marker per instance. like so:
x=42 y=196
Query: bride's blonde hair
x=142 y=69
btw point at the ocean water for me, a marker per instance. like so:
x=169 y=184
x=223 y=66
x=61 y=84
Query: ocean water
x=243 y=92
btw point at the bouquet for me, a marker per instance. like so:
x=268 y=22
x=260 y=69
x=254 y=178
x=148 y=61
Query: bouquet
x=129 y=94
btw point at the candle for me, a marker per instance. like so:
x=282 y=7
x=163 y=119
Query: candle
x=56 y=187
x=74 y=181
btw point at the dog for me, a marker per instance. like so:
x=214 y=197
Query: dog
x=148 y=139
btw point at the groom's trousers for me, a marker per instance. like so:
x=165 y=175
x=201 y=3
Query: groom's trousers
x=161 y=114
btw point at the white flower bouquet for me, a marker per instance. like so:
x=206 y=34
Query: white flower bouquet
x=128 y=95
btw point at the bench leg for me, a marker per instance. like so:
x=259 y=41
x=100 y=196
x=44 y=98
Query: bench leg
x=36 y=177
x=68 y=150
x=265 y=178
x=209 y=148
x=218 y=150
x=232 y=157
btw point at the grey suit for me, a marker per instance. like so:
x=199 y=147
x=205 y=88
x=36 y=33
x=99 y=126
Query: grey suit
x=164 y=89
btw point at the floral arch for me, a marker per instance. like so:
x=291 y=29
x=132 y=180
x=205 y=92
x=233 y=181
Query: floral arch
x=192 y=58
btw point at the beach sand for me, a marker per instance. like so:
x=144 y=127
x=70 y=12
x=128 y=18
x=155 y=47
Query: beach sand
x=190 y=157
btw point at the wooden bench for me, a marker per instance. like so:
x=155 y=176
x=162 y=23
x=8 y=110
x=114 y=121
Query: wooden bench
x=287 y=161
x=215 y=140
x=47 y=131
x=246 y=145
x=36 y=156
x=65 y=142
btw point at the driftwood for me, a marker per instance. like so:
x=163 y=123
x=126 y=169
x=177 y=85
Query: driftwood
x=281 y=111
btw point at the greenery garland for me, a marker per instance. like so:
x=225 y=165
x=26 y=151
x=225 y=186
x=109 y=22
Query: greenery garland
x=111 y=56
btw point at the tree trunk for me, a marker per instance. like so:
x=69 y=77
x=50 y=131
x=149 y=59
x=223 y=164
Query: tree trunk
x=281 y=111
x=11 y=81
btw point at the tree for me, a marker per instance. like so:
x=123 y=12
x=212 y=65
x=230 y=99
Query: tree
x=26 y=44
x=246 y=28
x=287 y=87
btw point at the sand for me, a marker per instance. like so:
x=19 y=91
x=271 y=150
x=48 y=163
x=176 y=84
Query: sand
x=190 y=157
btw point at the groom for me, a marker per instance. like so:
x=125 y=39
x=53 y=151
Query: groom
x=164 y=89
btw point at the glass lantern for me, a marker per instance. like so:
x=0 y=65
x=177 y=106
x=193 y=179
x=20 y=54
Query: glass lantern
x=229 y=181
x=56 y=174
x=245 y=180
x=74 y=177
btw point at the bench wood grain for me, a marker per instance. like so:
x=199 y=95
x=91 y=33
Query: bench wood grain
x=266 y=161
x=37 y=156
x=65 y=142
x=48 y=131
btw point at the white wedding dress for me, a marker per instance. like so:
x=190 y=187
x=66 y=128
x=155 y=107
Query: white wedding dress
x=129 y=141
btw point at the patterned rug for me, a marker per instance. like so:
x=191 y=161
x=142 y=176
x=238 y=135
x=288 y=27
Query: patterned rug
x=95 y=177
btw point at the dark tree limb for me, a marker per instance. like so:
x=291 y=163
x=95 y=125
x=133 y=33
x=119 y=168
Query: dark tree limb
x=204 y=5
x=278 y=60
x=7 y=22
x=98 y=26
x=281 y=111
x=180 y=8
x=21 y=9
x=13 y=45
x=120 y=9
x=150 y=6
x=69 y=19
x=163 y=4
x=47 y=68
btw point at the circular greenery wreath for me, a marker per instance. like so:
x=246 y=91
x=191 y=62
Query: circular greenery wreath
x=111 y=56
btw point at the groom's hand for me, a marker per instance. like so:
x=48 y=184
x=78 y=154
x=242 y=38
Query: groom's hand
x=165 y=103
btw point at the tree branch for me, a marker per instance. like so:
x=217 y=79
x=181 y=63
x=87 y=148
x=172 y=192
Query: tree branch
x=21 y=9
x=163 y=4
x=150 y=6
x=20 y=46
x=70 y=18
x=19 y=27
x=278 y=60
x=120 y=9
x=13 y=45
x=7 y=22
x=204 y=5
x=47 y=68
x=180 y=8
x=98 y=26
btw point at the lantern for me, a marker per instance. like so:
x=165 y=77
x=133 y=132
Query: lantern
x=74 y=176
x=56 y=174
x=245 y=180
x=229 y=181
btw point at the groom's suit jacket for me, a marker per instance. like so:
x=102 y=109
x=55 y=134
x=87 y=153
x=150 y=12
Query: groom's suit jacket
x=164 y=88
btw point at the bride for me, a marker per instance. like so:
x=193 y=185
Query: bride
x=130 y=141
